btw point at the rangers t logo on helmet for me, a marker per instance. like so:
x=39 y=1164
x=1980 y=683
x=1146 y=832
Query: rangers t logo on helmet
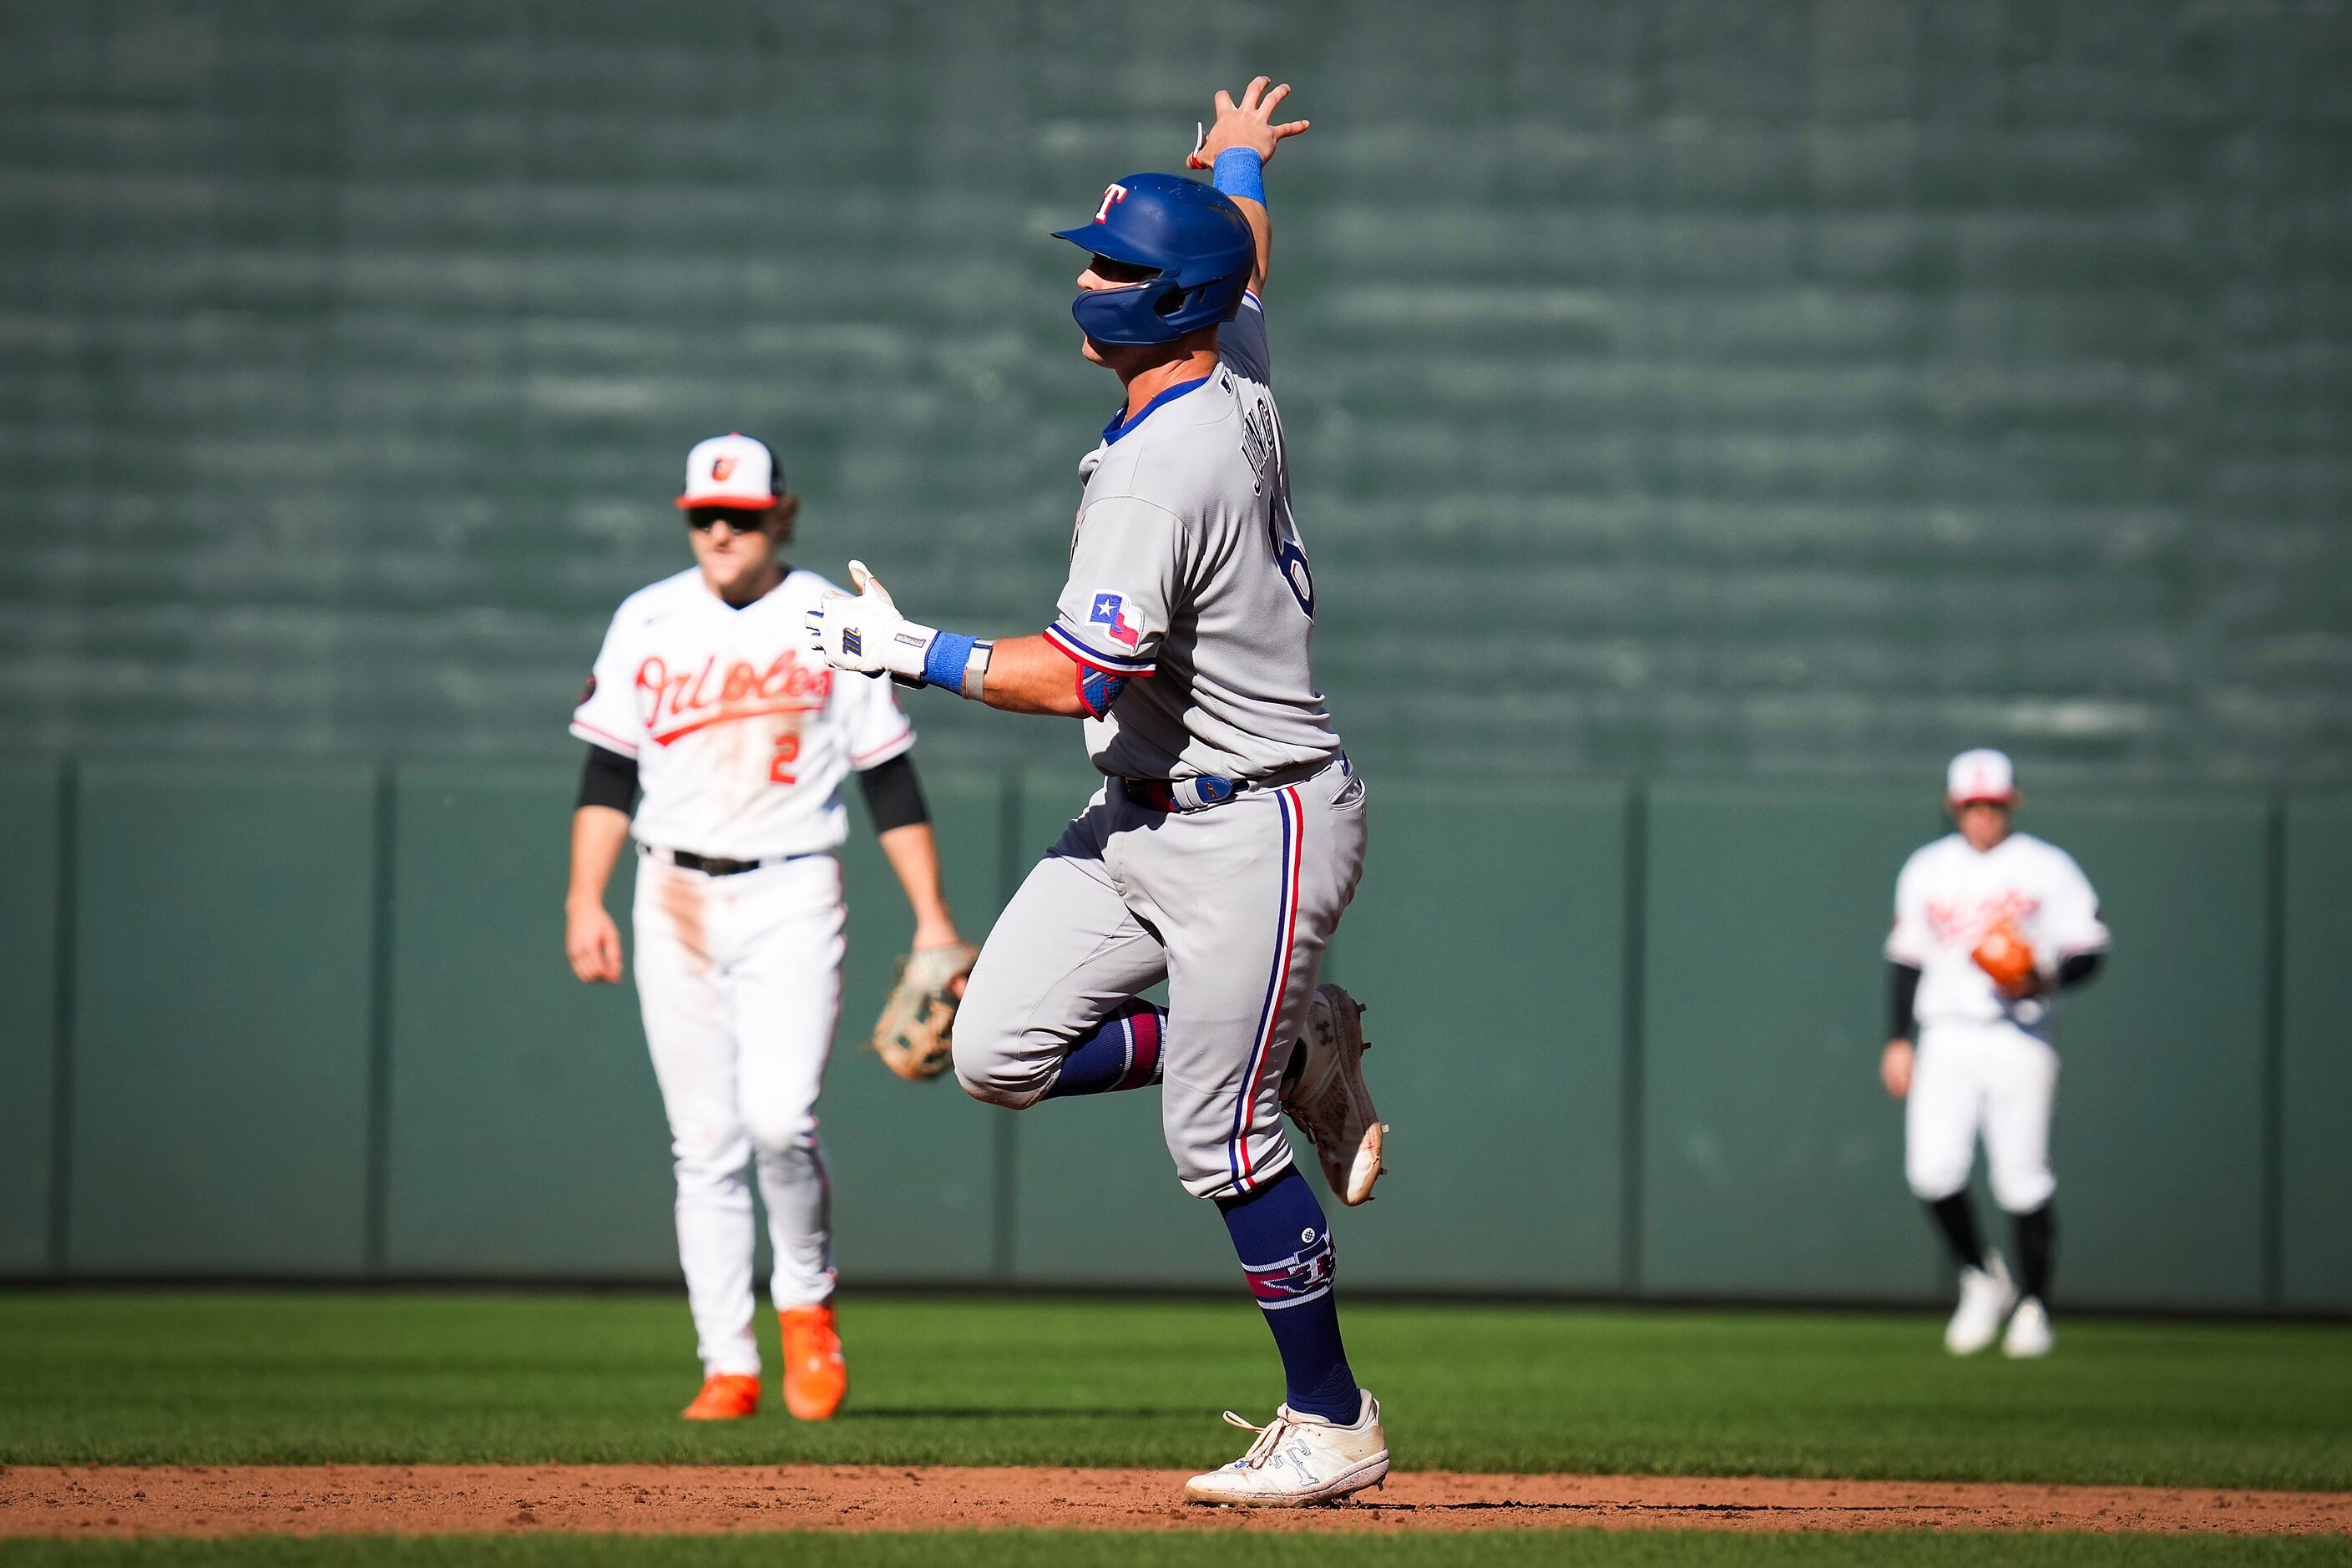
x=1193 y=240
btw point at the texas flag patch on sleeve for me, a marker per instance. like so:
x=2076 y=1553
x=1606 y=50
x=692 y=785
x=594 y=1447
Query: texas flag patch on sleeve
x=1110 y=612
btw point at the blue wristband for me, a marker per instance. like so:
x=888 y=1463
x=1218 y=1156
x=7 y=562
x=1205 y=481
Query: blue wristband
x=1239 y=172
x=943 y=661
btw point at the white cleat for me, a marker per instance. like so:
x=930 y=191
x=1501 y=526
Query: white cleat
x=1330 y=1101
x=1986 y=1297
x=2029 y=1331
x=1299 y=1460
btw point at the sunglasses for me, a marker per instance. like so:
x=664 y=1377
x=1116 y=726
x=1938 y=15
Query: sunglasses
x=702 y=519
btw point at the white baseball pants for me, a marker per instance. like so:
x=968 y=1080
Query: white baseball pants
x=1990 y=1079
x=740 y=981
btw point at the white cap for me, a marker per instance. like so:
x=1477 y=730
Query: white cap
x=732 y=470
x=1984 y=774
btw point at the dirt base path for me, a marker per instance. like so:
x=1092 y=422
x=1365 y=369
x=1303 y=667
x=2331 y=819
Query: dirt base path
x=698 y=1499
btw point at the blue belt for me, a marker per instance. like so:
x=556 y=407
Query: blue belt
x=1206 y=790
x=1183 y=795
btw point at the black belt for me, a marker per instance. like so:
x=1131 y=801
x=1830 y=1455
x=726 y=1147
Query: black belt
x=1200 y=793
x=711 y=865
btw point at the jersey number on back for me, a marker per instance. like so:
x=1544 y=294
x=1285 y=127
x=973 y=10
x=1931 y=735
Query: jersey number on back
x=1289 y=556
x=788 y=752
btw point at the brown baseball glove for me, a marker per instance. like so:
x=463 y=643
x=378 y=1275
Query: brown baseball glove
x=914 y=1036
x=2008 y=959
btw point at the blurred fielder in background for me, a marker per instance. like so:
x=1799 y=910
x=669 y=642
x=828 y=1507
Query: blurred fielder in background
x=706 y=697
x=1990 y=926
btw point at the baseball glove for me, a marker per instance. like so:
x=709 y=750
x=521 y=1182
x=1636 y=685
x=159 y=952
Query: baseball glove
x=914 y=1036
x=2008 y=958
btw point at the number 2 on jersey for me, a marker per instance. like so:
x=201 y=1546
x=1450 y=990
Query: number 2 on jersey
x=1290 y=557
x=788 y=752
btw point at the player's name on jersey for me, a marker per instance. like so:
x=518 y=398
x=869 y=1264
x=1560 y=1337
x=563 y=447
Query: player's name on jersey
x=678 y=702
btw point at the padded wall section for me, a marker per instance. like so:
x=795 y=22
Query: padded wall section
x=526 y=1131
x=220 y=1116
x=1670 y=388
x=1095 y=1199
x=221 y=1006
x=1487 y=941
x=1772 y=1161
x=914 y=1165
x=30 y=803
x=2315 y=1148
x=2158 y=1143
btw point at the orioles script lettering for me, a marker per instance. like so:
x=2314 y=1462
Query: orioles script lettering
x=676 y=703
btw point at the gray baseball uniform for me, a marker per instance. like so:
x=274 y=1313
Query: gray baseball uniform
x=1189 y=584
x=1186 y=567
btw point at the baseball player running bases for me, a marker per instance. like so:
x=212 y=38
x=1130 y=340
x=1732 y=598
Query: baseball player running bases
x=1230 y=830
x=1989 y=925
x=706 y=698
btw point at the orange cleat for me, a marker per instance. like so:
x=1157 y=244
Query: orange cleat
x=815 y=1377
x=725 y=1396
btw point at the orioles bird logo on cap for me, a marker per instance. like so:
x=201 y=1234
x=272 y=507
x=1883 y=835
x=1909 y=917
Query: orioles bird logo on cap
x=722 y=466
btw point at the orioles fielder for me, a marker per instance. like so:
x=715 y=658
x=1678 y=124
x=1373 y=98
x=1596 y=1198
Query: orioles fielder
x=1230 y=830
x=1989 y=925
x=706 y=698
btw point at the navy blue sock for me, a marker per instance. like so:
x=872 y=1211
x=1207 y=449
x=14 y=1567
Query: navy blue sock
x=1285 y=1250
x=1123 y=1052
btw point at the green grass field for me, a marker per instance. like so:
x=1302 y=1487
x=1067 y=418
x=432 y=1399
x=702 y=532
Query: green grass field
x=214 y=1378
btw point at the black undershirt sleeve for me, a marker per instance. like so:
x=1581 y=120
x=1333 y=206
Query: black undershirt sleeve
x=893 y=793
x=610 y=779
x=1902 y=997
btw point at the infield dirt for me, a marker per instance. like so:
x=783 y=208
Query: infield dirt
x=129 y=1501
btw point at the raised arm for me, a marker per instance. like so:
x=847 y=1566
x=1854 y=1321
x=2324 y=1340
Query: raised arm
x=1237 y=147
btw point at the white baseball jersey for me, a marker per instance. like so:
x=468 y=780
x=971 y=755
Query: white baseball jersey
x=1186 y=568
x=1950 y=895
x=741 y=735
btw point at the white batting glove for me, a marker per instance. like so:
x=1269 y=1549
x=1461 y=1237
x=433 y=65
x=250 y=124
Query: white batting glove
x=865 y=631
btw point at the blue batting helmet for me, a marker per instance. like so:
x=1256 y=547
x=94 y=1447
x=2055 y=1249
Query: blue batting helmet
x=1195 y=239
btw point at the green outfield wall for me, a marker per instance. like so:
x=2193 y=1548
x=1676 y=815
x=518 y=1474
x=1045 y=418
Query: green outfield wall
x=1671 y=386
x=313 y=1021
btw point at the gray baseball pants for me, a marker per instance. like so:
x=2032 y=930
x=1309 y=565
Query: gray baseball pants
x=1233 y=906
